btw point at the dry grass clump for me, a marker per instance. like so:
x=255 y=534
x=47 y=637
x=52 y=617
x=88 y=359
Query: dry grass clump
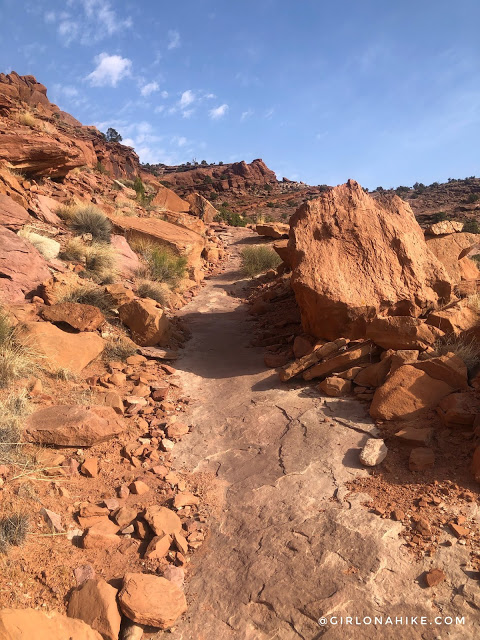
x=13 y=410
x=98 y=259
x=473 y=302
x=27 y=119
x=46 y=246
x=162 y=264
x=155 y=290
x=89 y=294
x=89 y=219
x=66 y=211
x=13 y=530
x=256 y=260
x=17 y=359
x=119 y=348
x=468 y=349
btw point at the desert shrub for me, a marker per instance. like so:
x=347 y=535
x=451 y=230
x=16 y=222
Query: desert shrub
x=89 y=294
x=89 y=219
x=13 y=410
x=42 y=244
x=257 y=260
x=213 y=195
x=162 y=264
x=139 y=187
x=13 y=530
x=441 y=216
x=231 y=218
x=473 y=301
x=154 y=290
x=17 y=359
x=271 y=205
x=473 y=197
x=97 y=258
x=268 y=187
x=292 y=203
x=100 y=168
x=118 y=348
x=471 y=226
x=468 y=349
x=208 y=180
x=66 y=211
x=27 y=119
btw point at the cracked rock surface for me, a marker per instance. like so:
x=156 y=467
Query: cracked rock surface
x=288 y=545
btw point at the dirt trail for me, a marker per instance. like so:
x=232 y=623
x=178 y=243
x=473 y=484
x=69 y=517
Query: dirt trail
x=285 y=546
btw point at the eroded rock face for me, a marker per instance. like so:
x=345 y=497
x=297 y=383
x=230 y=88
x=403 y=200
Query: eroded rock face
x=355 y=257
x=449 y=248
x=151 y=600
x=12 y=215
x=72 y=426
x=201 y=207
x=22 y=268
x=16 y=624
x=168 y=199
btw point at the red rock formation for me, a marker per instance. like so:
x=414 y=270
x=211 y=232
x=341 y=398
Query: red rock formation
x=355 y=257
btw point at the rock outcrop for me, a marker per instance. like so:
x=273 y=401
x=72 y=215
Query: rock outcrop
x=17 y=624
x=449 y=248
x=22 y=268
x=167 y=199
x=355 y=258
x=201 y=207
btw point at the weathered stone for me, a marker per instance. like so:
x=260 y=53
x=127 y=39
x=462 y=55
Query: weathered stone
x=12 y=215
x=459 y=410
x=456 y=320
x=119 y=293
x=44 y=209
x=139 y=488
x=275 y=230
x=449 y=368
x=158 y=547
x=17 y=624
x=402 y=333
x=60 y=349
x=333 y=237
x=415 y=436
x=167 y=199
x=151 y=600
x=407 y=393
x=95 y=603
x=375 y=374
x=89 y=468
x=101 y=535
x=444 y=227
x=335 y=387
x=201 y=207
x=420 y=459
x=448 y=249
x=72 y=426
x=374 y=452
x=434 y=577
x=162 y=520
x=22 y=268
x=345 y=360
x=54 y=520
x=148 y=323
x=127 y=262
x=83 y=317
x=185 y=499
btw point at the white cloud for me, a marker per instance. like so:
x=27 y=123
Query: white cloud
x=180 y=141
x=173 y=39
x=159 y=109
x=187 y=113
x=187 y=98
x=66 y=90
x=246 y=114
x=109 y=70
x=149 y=88
x=50 y=16
x=218 y=112
x=87 y=21
x=269 y=113
x=164 y=94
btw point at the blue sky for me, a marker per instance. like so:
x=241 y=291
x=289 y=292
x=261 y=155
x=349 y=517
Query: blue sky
x=387 y=93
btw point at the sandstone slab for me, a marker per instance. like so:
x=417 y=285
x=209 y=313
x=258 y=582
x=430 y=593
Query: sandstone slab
x=22 y=268
x=151 y=600
x=406 y=394
x=162 y=520
x=201 y=207
x=83 y=317
x=448 y=249
x=126 y=260
x=23 y=624
x=60 y=349
x=72 y=426
x=402 y=333
x=12 y=215
x=275 y=230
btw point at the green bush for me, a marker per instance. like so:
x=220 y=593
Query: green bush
x=473 y=197
x=213 y=195
x=207 y=180
x=89 y=219
x=98 y=259
x=163 y=265
x=231 y=218
x=471 y=226
x=118 y=348
x=139 y=188
x=257 y=260
x=441 y=216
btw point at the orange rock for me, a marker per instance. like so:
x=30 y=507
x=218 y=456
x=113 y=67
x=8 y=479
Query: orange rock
x=148 y=323
x=434 y=577
x=275 y=230
x=83 y=317
x=402 y=333
x=12 y=215
x=345 y=360
x=184 y=499
x=139 y=488
x=448 y=249
x=375 y=374
x=151 y=600
x=41 y=625
x=302 y=346
x=420 y=459
x=449 y=368
x=95 y=602
x=22 y=268
x=457 y=320
x=335 y=387
x=333 y=237
x=167 y=199
x=90 y=468
x=459 y=410
x=406 y=394
x=158 y=547
x=201 y=207
x=162 y=520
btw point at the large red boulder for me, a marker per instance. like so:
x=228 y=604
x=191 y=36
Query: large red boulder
x=355 y=257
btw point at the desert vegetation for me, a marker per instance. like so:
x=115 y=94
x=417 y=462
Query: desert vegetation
x=161 y=263
x=256 y=260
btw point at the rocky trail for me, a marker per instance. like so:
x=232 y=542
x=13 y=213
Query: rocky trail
x=288 y=541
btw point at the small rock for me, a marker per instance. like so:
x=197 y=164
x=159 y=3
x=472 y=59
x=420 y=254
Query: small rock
x=434 y=577
x=374 y=452
x=95 y=602
x=90 y=468
x=124 y=516
x=83 y=573
x=421 y=458
x=123 y=491
x=185 y=499
x=459 y=531
x=54 y=520
x=335 y=387
x=111 y=504
x=158 y=547
x=139 y=488
x=167 y=445
x=398 y=515
x=423 y=527
x=175 y=575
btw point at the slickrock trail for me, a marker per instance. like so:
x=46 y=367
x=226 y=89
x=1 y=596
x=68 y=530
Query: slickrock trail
x=286 y=545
